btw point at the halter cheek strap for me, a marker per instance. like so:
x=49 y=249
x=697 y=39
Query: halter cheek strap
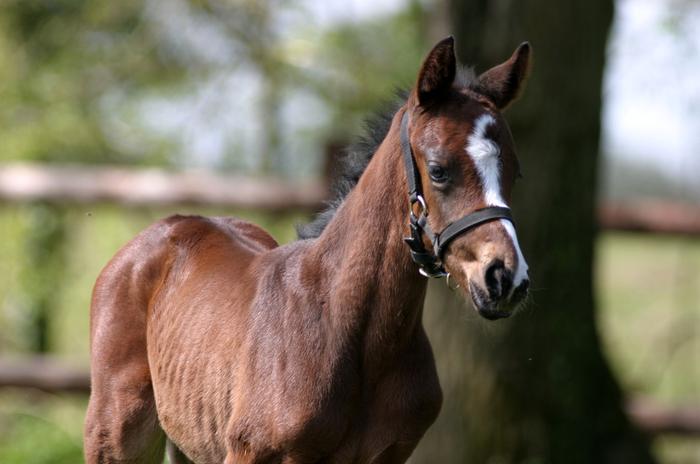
x=430 y=261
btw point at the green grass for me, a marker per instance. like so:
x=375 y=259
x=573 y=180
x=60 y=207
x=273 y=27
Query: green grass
x=649 y=295
x=649 y=318
x=37 y=428
x=93 y=236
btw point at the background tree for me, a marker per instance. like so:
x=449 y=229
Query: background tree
x=536 y=388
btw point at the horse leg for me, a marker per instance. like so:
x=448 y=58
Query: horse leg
x=122 y=425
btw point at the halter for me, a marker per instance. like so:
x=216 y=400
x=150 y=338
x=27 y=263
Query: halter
x=430 y=261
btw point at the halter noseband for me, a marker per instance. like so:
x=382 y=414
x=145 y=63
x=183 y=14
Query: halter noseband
x=430 y=261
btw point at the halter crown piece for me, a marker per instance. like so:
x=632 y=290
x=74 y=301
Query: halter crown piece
x=430 y=261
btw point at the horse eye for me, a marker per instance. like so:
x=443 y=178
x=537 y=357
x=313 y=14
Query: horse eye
x=437 y=173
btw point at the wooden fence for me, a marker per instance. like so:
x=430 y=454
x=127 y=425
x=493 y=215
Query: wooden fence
x=55 y=376
x=25 y=182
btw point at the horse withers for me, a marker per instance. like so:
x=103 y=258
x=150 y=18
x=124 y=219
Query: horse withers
x=238 y=350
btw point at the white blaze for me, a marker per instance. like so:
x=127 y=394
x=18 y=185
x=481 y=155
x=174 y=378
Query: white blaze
x=485 y=154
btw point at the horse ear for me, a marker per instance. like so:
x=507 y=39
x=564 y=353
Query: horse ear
x=502 y=84
x=437 y=73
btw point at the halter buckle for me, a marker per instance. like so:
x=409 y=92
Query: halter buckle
x=437 y=274
x=418 y=199
x=448 y=281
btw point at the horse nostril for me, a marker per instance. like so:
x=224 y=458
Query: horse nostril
x=520 y=291
x=498 y=279
x=525 y=285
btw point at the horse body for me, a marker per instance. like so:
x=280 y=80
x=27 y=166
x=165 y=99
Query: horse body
x=270 y=353
x=238 y=350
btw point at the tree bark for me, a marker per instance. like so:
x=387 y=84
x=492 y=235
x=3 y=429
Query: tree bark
x=536 y=388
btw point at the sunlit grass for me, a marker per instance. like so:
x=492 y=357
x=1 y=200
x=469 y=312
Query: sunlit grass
x=649 y=298
x=38 y=428
x=649 y=294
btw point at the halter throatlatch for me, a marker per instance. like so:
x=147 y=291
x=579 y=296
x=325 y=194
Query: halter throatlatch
x=430 y=261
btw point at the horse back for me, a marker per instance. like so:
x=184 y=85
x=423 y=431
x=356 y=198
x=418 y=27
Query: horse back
x=140 y=268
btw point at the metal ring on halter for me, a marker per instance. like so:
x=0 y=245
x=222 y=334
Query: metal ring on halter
x=423 y=207
x=447 y=281
x=436 y=275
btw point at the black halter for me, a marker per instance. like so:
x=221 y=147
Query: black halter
x=430 y=261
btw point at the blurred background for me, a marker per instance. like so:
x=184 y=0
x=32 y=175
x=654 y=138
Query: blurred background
x=115 y=114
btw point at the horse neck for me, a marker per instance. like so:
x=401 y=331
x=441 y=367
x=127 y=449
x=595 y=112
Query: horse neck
x=375 y=289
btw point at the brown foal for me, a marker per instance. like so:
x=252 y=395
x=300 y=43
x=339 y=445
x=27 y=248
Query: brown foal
x=239 y=350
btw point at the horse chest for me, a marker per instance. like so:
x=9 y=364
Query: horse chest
x=343 y=419
x=405 y=405
x=387 y=420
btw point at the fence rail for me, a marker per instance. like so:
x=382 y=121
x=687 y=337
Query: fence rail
x=655 y=419
x=26 y=182
x=52 y=376
x=650 y=216
x=43 y=373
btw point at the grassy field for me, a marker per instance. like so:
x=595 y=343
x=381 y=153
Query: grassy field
x=649 y=318
x=649 y=315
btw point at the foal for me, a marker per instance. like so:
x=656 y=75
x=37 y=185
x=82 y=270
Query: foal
x=238 y=350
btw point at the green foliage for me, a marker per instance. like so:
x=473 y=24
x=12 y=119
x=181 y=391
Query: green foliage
x=361 y=66
x=42 y=279
x=40 y=429
x=59 y=60
x=62 y=276
x=76 y=76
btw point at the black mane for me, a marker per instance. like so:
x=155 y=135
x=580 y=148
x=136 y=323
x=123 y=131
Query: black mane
x=354 y=161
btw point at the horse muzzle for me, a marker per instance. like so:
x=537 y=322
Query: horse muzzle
x=496 y=296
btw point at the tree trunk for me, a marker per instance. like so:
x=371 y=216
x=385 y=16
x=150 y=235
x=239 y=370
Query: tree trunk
x=536 y=388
